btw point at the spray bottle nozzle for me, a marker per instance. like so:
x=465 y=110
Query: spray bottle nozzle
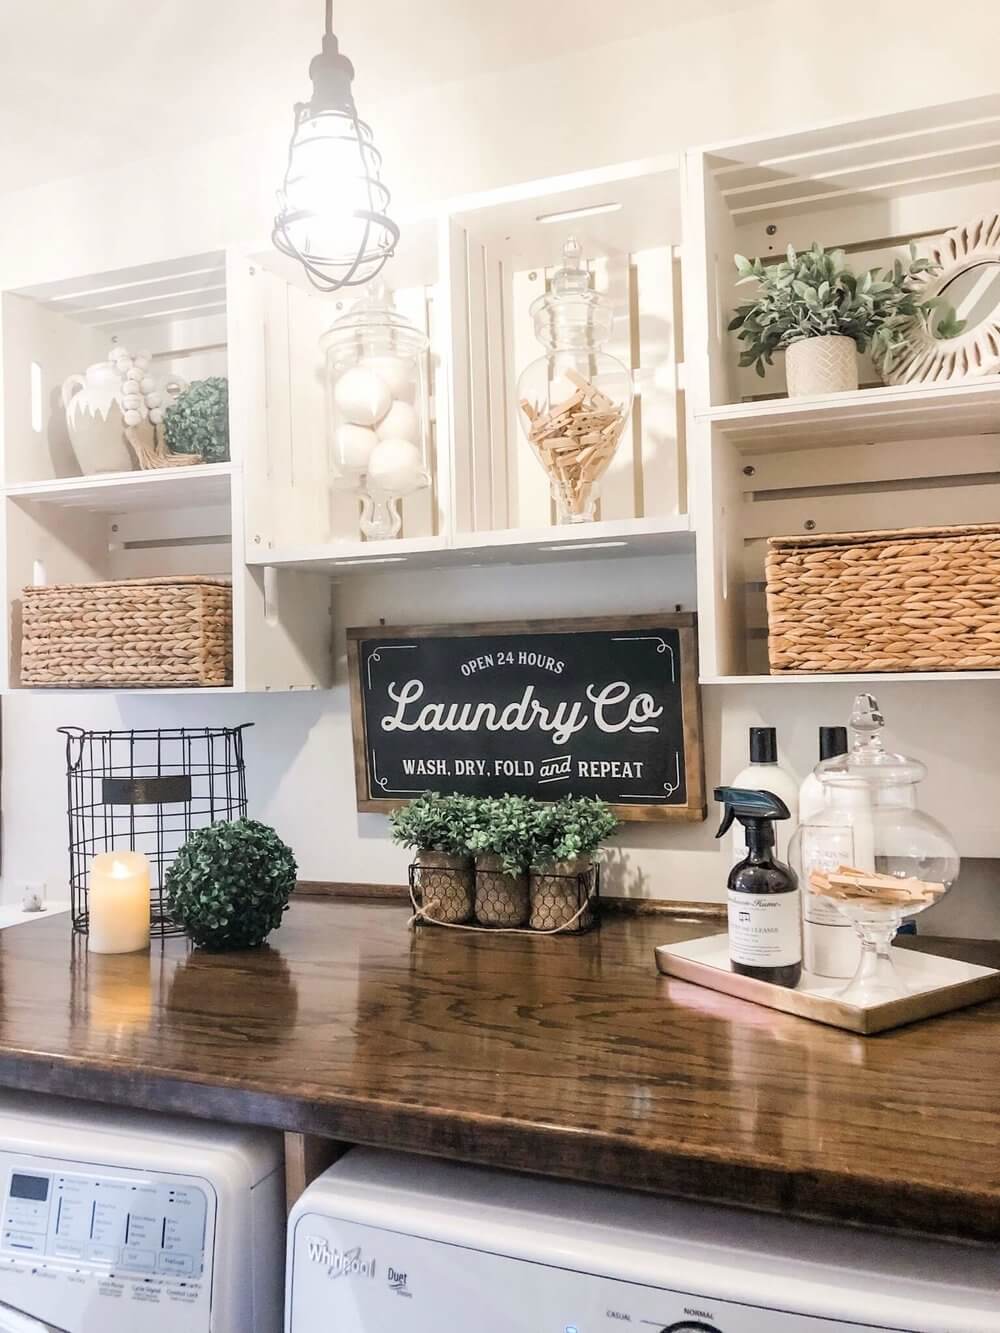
x=751 y=808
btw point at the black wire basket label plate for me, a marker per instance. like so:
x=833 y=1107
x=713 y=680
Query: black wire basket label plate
x=168 y=790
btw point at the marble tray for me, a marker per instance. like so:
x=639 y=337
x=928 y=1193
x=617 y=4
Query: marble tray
x=937 y=985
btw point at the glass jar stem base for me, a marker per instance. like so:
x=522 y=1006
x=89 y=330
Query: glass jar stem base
x=876 y=981
x=380 y=517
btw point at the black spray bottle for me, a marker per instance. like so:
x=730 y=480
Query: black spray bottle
x=765 y=926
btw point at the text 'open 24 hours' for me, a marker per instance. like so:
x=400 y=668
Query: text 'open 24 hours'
x=586 y=712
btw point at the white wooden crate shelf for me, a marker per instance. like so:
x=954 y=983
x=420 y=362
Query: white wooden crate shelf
x=855 y=678
x=869 y=416
x=920 y=455
x=117 y=492
x=613 y=537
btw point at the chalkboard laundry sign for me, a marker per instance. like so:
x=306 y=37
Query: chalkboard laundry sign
x=603 y=707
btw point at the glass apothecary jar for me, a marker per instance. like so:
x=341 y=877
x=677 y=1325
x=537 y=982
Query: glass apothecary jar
x=576 y=399
x=868 y=860
x=376 y=393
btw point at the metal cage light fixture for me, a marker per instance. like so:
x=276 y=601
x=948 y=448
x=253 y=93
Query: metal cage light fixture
x=333 y=206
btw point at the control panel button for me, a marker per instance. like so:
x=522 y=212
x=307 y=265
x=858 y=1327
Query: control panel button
x=103 y=1254
x=141 y=1259
x=176 y=1263
x=23 y=1240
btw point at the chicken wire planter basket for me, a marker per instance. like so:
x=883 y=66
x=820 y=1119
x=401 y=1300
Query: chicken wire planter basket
x=448 y=891
x=917 y=599
x=147 y=791
x=137 y=632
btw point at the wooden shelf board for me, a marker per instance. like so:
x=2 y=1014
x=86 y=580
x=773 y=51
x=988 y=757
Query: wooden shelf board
x=669 y=535
x=117 y=492
x=866 y=416
x=854 y=678
x=113 y=690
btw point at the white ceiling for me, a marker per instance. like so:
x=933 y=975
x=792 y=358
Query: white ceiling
x=93 y=83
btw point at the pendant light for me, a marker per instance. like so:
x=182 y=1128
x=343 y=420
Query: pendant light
x=333 y=207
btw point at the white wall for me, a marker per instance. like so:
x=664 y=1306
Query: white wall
x=743 y=70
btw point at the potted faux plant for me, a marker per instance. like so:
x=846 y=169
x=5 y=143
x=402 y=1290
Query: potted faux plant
x=813 y=308
x=503 y=840
x=230 y=883
x=438 y=828
x=568 y=835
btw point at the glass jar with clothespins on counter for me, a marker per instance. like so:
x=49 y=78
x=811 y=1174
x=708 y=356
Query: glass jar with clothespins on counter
x=868 y=860
x=576 y=399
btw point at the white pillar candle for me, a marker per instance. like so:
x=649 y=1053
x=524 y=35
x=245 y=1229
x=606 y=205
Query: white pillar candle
x=118 y=903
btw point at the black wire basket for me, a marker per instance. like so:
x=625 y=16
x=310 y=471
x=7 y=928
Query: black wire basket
x=147 y=791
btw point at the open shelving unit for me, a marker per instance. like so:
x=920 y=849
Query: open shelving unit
x=755 y=463
x=63 y=527
x=468 y=276
x=887 y=457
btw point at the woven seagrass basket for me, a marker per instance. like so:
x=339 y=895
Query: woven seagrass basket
x=140 y=632
x=918 y=599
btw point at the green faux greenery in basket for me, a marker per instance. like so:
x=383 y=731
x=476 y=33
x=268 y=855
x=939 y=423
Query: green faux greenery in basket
x=571 y=829
x=230 y=883
x=435 y=823
x=813 y=294
x=506 y=827
x=198 y=421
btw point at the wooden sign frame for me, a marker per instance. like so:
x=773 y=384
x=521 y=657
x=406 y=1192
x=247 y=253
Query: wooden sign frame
x=693 y=811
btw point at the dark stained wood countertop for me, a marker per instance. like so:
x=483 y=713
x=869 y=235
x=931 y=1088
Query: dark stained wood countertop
x=566 y=1057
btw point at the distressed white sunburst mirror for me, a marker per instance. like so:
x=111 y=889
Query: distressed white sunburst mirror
x=969 y=281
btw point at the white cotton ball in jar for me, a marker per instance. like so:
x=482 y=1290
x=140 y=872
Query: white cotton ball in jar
x=154 y=399
x=397 y=372
x=131 y=401
x=131 y=386
x=361 y=396
x=132 y=417
x=156 y=416
x=401 y=422
x=352 y=447
x=396 y=468
x=147 y=384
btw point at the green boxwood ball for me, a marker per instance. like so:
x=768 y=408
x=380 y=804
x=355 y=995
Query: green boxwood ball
x=230 y=884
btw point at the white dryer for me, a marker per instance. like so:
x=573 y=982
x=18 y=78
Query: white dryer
x=120 y=1222
x=385 y=1242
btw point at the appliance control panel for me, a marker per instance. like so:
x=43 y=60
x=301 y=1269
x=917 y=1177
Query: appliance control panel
x=132 y=1225
x=85 y=1245
x=360 y=1279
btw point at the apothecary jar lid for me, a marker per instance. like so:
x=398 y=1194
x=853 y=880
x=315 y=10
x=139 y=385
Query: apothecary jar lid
x=373 y=319
x=571 y=313
x=868 y=760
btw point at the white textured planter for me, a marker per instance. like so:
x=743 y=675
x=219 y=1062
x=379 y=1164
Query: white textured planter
x=821 y=365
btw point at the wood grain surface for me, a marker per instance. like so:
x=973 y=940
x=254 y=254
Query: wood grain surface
x=569 y=1057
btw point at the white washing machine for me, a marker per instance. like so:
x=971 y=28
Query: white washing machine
x=121 y=1222
x=383 y=1243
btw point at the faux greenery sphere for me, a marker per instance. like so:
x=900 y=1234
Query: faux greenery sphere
x=230 y=884
x=198 y=422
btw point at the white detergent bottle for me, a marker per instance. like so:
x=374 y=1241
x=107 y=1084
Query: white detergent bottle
x=832 y=742
x=764 y=773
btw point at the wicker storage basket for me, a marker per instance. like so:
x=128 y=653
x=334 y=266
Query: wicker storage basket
x=919 y=599
x=141 y=632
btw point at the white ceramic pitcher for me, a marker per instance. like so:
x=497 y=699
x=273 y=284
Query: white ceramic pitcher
x=94 y=419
